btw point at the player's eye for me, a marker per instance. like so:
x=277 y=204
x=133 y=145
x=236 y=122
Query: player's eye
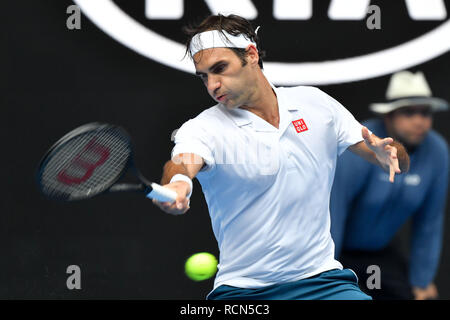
x=220 y=68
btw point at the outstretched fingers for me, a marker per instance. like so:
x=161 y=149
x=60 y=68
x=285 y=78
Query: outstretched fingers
x=393 y=163
x=387 y=141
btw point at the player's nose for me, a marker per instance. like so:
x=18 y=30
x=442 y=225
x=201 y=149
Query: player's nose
x=213 y=85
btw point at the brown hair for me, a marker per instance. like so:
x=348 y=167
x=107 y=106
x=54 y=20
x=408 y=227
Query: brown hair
x=234 y=25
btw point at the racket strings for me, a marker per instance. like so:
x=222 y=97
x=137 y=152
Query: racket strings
x=86 y=165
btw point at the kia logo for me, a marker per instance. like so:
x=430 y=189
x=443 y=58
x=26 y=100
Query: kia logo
x=122 y=27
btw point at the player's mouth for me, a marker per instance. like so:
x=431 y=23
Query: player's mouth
x=221 y=98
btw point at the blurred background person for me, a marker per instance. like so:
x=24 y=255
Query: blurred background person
x=367 y=211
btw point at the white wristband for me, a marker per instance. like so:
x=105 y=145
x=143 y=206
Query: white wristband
x=182 y=177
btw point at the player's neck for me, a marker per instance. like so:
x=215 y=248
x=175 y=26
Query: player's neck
x=264 y=102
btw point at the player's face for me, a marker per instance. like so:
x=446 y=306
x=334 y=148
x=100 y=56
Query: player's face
x=410 y=124
x=226 y=79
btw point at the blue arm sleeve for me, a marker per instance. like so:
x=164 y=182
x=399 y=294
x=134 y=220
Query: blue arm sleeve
x=427 y=228
x=351 y=173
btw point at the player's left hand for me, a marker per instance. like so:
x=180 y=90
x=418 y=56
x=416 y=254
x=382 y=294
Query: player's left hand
x=385 y=153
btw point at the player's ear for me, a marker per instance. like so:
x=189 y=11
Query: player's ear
x=252 y=54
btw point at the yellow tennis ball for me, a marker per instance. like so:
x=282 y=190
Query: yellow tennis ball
x=200 y=266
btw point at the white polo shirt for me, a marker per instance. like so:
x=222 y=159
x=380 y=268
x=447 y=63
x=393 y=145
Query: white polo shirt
x=268 y=189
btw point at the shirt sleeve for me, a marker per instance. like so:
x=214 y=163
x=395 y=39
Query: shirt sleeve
x=192 y=137
x=427 y=227
x=347 y=128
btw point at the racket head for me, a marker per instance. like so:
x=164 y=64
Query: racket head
x=85 y=162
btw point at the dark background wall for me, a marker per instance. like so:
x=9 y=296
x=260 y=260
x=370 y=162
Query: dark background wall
x=54 y=79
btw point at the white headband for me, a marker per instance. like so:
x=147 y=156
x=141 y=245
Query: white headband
x=217 y=39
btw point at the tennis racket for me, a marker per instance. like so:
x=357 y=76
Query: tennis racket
x=90 y=160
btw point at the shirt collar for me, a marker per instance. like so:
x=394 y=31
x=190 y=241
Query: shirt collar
x=244 y=117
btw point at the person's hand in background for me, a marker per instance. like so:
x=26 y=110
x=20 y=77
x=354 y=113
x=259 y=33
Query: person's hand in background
x=427 y=293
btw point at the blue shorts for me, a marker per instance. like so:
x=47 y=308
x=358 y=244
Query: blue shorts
x=330 y=285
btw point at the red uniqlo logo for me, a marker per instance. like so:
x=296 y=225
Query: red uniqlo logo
x=300 y=125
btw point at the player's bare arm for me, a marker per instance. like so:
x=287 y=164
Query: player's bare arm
x=187 y=164
x=385 y=152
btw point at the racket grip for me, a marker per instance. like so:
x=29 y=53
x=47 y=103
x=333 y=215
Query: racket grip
x=161 y=194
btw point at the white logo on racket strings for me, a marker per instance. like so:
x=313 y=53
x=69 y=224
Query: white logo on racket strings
x=119 y=25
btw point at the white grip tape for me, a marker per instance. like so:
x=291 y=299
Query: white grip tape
x=162 y=194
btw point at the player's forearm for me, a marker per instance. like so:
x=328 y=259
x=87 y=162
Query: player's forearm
x=364 y=152
x=186 y=164
x=171 y=169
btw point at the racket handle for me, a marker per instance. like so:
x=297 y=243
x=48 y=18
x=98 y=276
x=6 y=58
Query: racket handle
x=161 y=194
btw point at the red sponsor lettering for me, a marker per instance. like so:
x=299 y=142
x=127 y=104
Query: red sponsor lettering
x=92 y=147
x=300 y=125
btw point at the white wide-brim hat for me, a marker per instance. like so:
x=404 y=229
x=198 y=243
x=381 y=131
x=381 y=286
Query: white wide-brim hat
x=408 y=89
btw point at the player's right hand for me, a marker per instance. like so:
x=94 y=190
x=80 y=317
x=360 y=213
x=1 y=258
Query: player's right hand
x=181 y=204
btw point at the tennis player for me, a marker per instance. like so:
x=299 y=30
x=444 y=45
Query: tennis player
x=265 y=158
